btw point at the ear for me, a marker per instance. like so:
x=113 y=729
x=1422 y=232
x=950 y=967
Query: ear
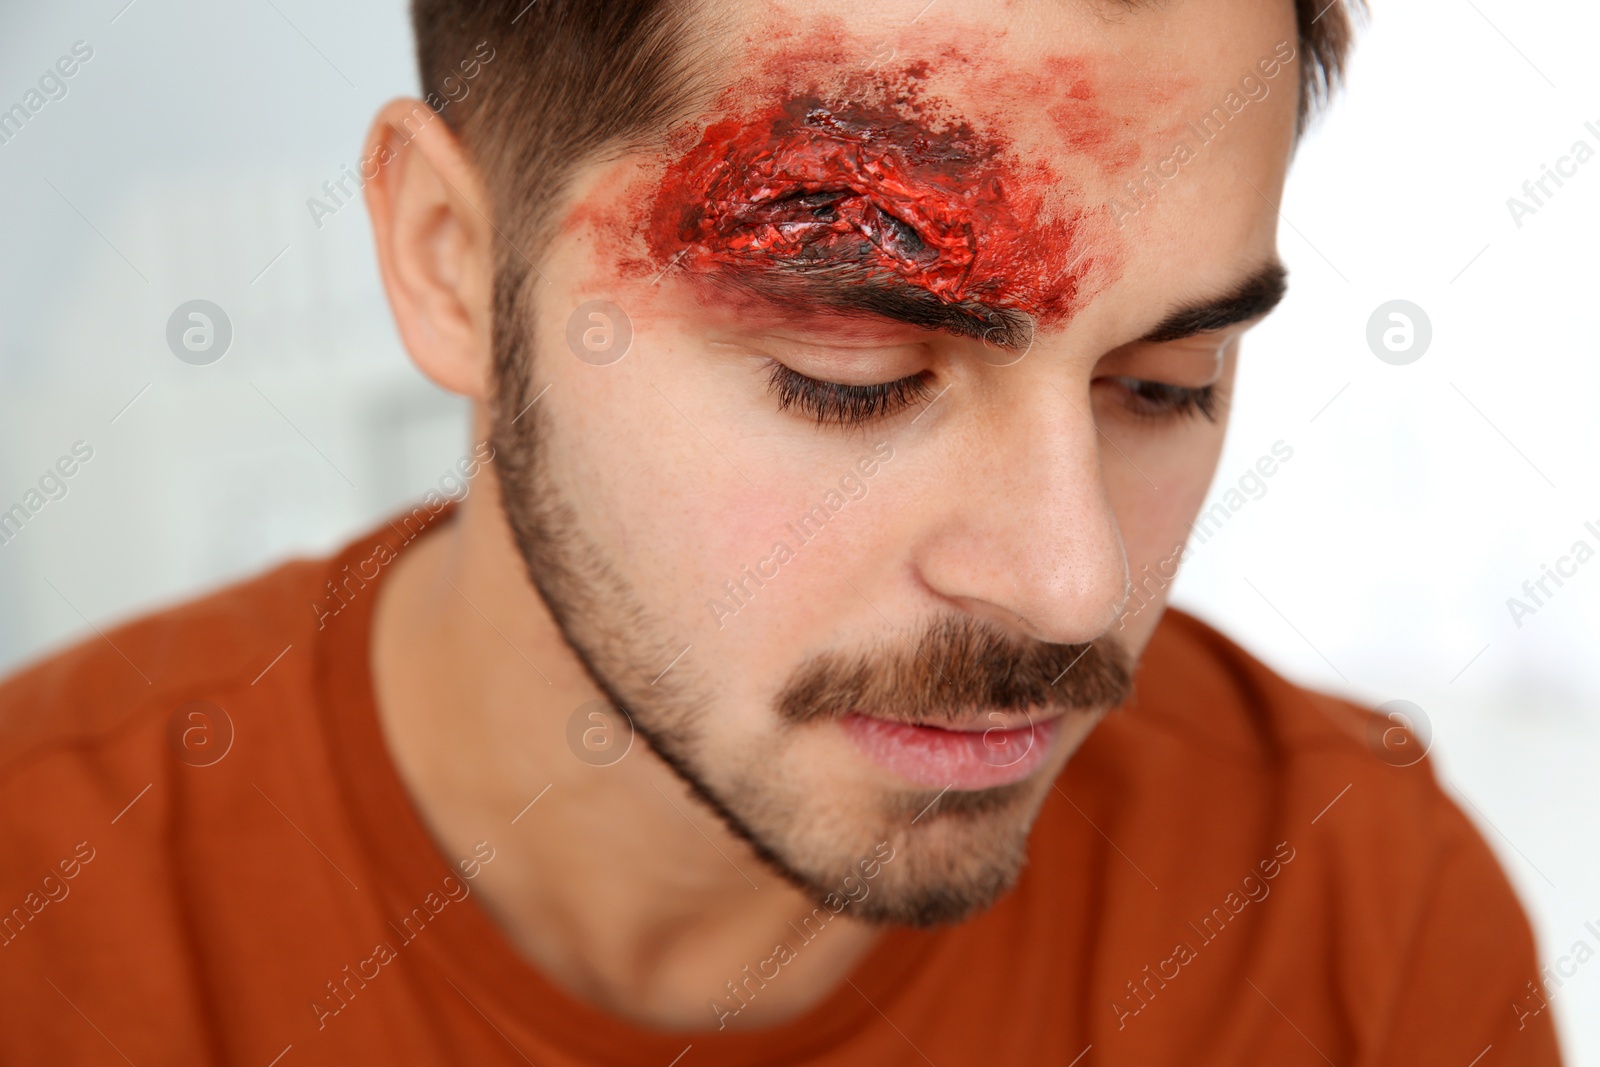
x=435 y=243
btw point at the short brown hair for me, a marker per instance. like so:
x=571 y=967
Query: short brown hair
x=573 y=78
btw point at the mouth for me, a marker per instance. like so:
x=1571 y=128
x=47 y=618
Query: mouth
x=979 y=755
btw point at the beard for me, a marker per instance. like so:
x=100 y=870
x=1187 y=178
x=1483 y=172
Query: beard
x=956 y=852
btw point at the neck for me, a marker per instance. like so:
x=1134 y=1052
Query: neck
x=616 y=883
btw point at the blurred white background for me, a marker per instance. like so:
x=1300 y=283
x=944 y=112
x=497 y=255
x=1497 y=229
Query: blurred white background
x=1378 y=562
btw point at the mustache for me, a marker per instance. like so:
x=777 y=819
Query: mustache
x=955 y=669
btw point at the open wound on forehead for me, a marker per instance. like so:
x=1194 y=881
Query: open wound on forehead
x=871 y=194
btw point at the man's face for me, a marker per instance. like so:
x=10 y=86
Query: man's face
x=868 y=524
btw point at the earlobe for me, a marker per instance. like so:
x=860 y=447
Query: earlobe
x=434 y=242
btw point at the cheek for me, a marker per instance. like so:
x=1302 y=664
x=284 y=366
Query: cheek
x=1157 y=477
x=686 y=478
x=1156 y=523
x=653 y=482
x=659 y=457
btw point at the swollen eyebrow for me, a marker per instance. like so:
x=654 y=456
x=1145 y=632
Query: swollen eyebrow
x=928 y=220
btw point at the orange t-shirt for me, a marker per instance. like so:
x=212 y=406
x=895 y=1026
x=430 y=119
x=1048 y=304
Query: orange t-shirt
x=1226 y=874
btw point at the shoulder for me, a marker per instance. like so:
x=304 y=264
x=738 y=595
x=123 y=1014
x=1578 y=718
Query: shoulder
x=84 y=699
x=1223 y=797
x=1257 y=767
x=129 y=766
x=1201 y=688
x=1327 y=764
x=1222 y=763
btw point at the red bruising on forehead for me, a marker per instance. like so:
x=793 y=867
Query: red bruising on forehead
x=871 y=177
x=872 y=189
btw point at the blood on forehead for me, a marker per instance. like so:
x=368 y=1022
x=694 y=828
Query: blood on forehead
x=871 y=177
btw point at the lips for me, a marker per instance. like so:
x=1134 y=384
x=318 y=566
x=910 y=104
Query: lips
x=979 y=757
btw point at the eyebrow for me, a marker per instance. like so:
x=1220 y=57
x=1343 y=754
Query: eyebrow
x=1249 y=299
x=845 y=290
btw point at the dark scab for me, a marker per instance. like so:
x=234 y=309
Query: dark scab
x=896 y=237
x=822 y=205
x=890 y=234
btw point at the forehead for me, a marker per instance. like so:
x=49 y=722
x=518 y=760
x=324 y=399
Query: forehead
x=1023 y=157
x=1050 y=72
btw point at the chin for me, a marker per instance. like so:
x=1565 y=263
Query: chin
x=930 y=859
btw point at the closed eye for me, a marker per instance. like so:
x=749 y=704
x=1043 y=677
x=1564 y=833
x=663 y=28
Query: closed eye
x=835 y=403
x=831 y=403
x=1158 y=400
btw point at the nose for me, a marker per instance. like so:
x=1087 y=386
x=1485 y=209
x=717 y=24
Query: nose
x=1027 y=536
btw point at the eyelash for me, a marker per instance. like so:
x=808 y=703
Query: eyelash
x=1158 y=400
x=843 y=405
x=848 y=405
